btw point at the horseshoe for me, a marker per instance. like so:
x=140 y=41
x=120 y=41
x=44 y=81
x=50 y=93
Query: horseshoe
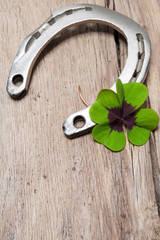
x=135 y=70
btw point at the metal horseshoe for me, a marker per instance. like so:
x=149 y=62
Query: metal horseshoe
x=135 y=70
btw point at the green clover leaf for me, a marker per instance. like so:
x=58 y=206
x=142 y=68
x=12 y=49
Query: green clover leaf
x=112 y=112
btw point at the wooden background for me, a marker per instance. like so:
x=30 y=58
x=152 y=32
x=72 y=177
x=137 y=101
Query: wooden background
x=60 y=189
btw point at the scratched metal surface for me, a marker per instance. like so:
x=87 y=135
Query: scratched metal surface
x=56 y=188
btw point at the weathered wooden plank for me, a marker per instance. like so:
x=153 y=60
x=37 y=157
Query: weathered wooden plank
x=55 y=188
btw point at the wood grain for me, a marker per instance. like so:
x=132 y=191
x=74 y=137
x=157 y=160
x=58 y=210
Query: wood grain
x=61 y=189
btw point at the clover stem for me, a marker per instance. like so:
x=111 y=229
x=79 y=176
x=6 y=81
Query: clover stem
x=81 y=97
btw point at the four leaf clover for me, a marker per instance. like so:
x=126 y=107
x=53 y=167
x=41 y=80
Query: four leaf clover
x=112 y=112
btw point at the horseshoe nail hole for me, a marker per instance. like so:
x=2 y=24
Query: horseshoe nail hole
x=88 y=9
x=36 y=35
x=17 y=80
x=69 y=12
x=79 y=121
x=51 y=21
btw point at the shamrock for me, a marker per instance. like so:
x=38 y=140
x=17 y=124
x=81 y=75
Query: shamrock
x=112 y=112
